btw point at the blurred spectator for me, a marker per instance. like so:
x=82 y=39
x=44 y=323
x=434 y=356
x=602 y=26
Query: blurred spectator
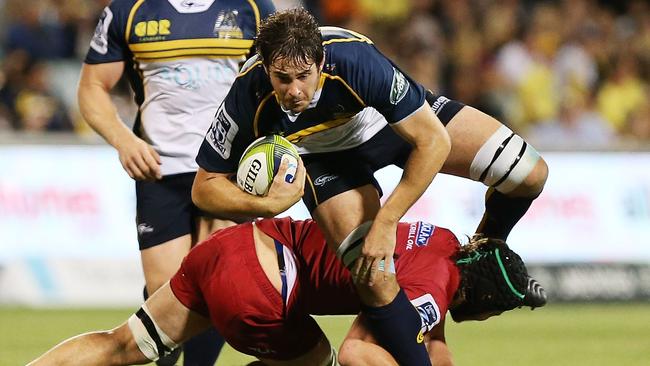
x=577 y=125
x=36 y=108
x=623 y=92
x=526 y=67
x=36 y=28
x=518 y=60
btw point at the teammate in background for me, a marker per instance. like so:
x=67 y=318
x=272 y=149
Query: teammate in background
x=180 y=58
x=351 y=111
x=258 y=283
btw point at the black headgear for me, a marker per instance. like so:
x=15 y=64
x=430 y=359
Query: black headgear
x=494 y=278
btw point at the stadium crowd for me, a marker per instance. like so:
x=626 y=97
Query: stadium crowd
x=565 y=73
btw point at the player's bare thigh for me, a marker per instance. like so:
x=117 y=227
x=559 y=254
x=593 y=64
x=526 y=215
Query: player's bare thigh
x=175 y=319
x=160 y=262
x=205 y=226
x=341 y=214
x=469 y=130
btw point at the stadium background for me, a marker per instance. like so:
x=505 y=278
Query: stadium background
x=572 y=77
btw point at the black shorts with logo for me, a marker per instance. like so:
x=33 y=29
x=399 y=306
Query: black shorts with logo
x=329 y=174
x=165 y=210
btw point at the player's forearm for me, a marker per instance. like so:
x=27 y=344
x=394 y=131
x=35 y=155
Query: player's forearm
x=424 y=162
x=439 y=354
x=217 y=195
x=98 y=110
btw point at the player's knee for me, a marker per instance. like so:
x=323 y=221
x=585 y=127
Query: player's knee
x=536 y=180
x=123 y=347
x=350 y=352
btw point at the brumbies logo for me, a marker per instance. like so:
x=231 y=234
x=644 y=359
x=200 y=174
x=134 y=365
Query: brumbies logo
x=399 y=88
x=225 y=26
x=429 y=312
x=419 y=234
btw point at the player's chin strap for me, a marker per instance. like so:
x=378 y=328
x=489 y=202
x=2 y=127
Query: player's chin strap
x=151 y=340
x=350 y=248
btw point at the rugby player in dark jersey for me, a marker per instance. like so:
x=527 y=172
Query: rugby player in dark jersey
x=350 y=111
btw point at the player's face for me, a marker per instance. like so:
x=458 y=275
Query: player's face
x=294 y=84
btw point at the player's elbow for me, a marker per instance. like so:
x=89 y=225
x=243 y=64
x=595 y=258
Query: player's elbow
x=201 y=194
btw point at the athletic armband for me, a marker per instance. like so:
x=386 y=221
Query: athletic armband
x=151 y=340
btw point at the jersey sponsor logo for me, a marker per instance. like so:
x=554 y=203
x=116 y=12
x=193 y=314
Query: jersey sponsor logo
x=222 y=132
x=428 y=310
x=225 y=26
x=153 y=30
x=399 y=88
x=419 y=234
x=99 y=42
x=323 y=179
x=439 y=104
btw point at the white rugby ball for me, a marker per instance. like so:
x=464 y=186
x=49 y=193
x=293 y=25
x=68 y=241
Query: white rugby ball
x=260 y=163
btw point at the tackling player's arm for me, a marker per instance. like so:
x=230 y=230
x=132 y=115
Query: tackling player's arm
x=138 y=158
x=437 y=348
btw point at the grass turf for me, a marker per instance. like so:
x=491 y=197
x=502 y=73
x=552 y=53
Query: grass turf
x=575 y=335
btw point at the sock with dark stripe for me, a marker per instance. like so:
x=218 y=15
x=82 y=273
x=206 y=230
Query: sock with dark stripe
x=397 y=328
x=502 y=213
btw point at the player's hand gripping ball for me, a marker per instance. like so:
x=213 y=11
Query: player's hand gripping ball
x=260 y=163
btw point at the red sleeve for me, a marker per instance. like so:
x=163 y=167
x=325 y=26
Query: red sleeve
x=185 y=284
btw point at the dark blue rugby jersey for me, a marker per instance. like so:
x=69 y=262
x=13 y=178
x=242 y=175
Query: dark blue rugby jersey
x=355 y=76
x=181 y=57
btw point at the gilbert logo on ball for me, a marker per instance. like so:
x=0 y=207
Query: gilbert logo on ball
x=260 y=163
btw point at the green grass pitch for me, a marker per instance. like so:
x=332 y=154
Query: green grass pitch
x=558 y=335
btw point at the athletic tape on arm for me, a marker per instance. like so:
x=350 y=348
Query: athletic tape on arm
x=151 y=340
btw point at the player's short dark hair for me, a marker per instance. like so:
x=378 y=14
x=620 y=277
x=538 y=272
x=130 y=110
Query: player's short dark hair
x=493 y=278
x=292 y=35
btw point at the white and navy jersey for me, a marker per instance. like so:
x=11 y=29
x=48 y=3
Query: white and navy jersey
x=181 y=58
x=360 y=91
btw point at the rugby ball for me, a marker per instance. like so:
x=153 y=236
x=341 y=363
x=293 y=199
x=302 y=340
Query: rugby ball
x=260 y=163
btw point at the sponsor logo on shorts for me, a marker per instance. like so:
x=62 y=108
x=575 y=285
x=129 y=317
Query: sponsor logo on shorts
x=419 y=234
x=144 y=228
x=323 y=179
x=99 y=41
x=439 y=104
x=399 y=88
x=428 y=310
x=222 y=132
